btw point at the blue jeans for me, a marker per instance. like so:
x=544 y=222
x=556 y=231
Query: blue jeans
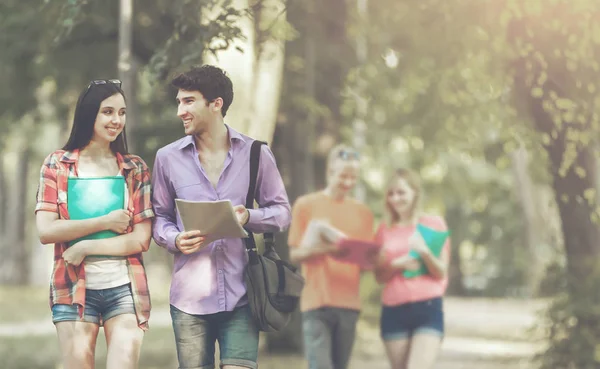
x=100 y=305
x=195 y=337
x=404 y=321
x=329 y=337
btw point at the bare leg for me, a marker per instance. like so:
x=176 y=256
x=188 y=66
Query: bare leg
x=397 y=352
x=424 y=351
x=77 y=344
x=124 y=341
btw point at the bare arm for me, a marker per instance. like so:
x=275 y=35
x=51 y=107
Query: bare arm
x=54 y=230
x=319 y=239
x=131 y=243
x=437 y=267
x=384 y=271
x=51 y=229
x=304 y=254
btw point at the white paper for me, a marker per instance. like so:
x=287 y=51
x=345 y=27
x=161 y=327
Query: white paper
x=215 y=219
x=320 y=231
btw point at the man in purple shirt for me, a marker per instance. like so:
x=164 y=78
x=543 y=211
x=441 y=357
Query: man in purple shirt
x=208 y=294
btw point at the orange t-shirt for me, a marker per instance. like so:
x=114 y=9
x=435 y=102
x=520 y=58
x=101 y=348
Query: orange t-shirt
x=329 y=282
x=394 y=241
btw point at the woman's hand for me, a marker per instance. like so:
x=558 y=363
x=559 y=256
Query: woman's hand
x=406 y=262
x=117 y=221
x=75 y=254
x=417 y=243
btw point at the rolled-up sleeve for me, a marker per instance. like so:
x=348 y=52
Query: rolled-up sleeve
x=165 y=228
x=142 y=195
x=47 y=193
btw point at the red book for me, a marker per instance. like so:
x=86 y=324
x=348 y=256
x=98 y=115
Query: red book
x=357 y=252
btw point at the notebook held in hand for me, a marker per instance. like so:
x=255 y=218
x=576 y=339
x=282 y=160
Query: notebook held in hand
x=94 y=197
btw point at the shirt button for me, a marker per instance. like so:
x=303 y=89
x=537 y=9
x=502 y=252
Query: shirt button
x=220 y=271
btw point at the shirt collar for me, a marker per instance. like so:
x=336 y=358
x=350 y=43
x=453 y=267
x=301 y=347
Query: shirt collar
x=124 y=162
x=70 y=156
x=233 y=136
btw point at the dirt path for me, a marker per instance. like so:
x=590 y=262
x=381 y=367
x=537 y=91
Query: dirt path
x=481 y=334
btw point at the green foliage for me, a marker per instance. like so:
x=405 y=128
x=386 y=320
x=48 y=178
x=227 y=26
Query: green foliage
x=439 y=102
x=72 y=42
x=572 y=322
x=191 y=35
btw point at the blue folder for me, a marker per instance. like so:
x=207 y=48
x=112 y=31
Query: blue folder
x=435 y=240
x=94 y=197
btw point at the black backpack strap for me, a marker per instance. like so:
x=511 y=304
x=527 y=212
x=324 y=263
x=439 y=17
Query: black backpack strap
x=254 y=162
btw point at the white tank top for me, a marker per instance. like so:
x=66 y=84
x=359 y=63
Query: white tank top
x=102 y=272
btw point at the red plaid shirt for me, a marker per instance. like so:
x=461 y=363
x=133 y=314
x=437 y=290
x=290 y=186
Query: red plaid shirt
x=67 y=285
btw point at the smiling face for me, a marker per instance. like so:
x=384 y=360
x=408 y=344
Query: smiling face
x=110 y=120
x=401 y=197
x=195 y=112
x=343 y=175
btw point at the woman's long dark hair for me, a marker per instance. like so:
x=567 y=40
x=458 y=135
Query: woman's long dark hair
x=86 y=112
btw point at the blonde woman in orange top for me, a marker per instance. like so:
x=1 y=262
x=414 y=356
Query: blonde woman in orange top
x=412 y=318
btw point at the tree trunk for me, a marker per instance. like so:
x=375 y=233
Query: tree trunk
x=302 y=137
x=268 y=72
x=14 y=263
x=334 y=58
x=6 y=261
x=126 y=68
x=3 y=198
x=527 y=197
x=580 y=234
x=574 y=182
x=457 y=222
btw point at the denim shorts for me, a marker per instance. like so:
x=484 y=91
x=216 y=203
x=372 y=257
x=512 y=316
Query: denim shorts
x=100 y=305
x=195 y=337
x=404 y=321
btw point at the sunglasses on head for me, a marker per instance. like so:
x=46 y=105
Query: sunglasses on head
x=104 y=81
x=348 y=155
x=101 y=82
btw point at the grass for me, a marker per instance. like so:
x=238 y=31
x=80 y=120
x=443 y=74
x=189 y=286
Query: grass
x=465 y=319
x=158 y=351
x=42 y=352
x=21 y=304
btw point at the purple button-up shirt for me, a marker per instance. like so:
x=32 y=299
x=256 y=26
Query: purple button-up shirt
x=212 y=280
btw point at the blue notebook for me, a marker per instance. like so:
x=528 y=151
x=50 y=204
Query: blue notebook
x=435 y=240
x=94 y=197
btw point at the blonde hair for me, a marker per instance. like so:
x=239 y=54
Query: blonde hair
x=414 y=182
x=341 y=152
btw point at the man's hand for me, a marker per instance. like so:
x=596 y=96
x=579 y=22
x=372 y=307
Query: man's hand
x=328 y=248
x=242 y=214
x=75 y=254
x=189 y=242
x=117 y=221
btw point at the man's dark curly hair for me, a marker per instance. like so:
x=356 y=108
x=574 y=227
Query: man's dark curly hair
x=210 y=81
